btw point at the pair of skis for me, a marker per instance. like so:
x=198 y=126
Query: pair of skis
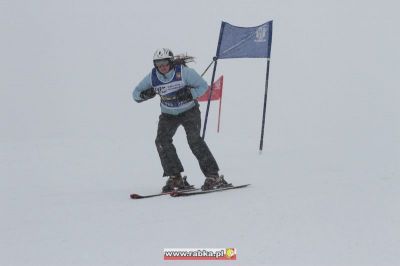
x=187 y=192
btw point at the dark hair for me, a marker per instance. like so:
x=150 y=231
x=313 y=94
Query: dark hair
x=182 y=59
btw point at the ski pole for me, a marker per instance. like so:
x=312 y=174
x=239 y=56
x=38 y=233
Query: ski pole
x=207 y=68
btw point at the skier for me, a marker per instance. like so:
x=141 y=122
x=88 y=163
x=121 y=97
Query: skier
x=178 y=87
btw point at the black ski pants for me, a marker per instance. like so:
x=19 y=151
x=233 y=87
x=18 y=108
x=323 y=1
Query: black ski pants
x=191 y=122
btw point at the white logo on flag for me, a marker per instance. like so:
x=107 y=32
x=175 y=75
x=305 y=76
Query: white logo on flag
x=261 y=34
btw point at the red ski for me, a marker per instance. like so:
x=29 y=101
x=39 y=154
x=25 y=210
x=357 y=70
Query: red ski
x=138 y=196
x=199 y=192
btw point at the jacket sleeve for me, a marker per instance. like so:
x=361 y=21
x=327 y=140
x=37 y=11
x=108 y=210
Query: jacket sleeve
x=143 y=85
x=193 y=80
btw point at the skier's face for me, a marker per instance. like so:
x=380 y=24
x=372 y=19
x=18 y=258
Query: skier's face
x=163 y=66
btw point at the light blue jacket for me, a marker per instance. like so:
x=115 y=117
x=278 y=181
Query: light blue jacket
x=189 y=76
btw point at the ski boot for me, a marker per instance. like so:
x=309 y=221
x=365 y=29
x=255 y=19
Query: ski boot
x=214 y=182
x=176 y=182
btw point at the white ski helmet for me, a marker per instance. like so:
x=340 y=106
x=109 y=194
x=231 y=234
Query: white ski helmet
x=162 y=54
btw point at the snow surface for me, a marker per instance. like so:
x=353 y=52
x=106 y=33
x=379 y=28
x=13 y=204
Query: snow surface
x=74 y=145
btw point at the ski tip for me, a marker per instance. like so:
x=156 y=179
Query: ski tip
x=135 y=196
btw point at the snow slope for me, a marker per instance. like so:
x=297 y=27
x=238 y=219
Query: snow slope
x=74 y=145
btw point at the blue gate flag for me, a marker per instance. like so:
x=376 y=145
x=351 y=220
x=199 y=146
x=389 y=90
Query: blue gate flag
x=241 y=42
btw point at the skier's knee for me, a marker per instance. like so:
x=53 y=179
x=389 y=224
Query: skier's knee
x=162 y=142
x=195 y=141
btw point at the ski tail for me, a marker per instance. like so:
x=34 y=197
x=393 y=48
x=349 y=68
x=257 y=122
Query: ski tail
x=199 y=192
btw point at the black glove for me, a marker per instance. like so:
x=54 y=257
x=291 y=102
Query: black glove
x=184 y=94
x=147 y=94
